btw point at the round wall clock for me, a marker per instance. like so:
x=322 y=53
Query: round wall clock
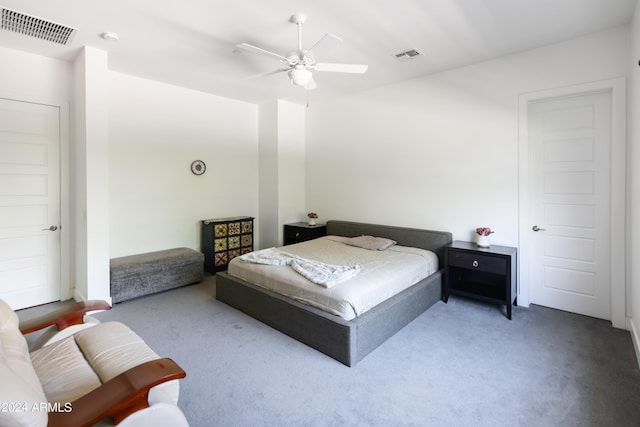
x=198 y=167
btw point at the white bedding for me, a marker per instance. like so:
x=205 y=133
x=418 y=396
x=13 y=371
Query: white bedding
x=382 y=274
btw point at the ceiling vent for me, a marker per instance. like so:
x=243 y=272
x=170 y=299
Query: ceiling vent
x=35 y=27
x=407 y=55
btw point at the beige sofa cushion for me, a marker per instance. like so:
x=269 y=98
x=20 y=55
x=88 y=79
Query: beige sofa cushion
x=111 y=348
x=20 y=389
x=64 y=373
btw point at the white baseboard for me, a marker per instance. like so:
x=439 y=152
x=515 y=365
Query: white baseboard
x=633 y=330
x=83 y=298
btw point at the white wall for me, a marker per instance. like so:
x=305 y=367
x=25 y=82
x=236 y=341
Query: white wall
x=268 y=173
x=634 y=181
x=291 y=170
x=282 y=169
x=34 y=77
x=91 y=176
x=155 y=132
x=441 y=151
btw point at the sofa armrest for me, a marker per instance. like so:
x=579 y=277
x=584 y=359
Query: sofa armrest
x=119 y=397
x=64 y=317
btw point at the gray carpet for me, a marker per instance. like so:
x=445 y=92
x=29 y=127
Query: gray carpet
x=458 y=364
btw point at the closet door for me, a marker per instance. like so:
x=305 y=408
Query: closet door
x=29 y=203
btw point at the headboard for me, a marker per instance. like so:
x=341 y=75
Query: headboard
x=434 y=241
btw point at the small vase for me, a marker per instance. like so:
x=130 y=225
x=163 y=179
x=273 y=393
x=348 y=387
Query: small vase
x=312 y=222
x=483 y=242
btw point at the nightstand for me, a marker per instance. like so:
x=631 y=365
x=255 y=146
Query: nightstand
x=300 y=231
x=487 y=274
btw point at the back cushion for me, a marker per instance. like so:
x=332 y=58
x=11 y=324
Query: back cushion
x=20 y=388
x=63 y=371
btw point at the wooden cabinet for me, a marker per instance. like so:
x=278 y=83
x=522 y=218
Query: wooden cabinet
x=224 y=239
x=488 y=274
x=300 y=231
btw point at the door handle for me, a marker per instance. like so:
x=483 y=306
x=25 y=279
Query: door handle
x=536 y=228
x=52 y=228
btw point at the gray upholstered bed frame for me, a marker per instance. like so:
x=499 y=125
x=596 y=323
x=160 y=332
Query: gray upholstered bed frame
x=347 y=341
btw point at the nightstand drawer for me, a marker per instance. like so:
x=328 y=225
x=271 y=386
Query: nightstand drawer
x=300 y=232
x=294 y=233
x=475 y=261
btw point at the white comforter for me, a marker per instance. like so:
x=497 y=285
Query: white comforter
x=382 y=274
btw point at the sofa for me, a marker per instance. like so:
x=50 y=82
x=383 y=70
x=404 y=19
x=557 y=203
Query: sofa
x=101 y=374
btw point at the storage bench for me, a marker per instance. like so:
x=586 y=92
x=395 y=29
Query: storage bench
x=143 y=274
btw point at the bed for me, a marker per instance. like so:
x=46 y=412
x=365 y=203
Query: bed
x=345 y=340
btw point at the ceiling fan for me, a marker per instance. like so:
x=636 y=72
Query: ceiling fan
x=300 y=62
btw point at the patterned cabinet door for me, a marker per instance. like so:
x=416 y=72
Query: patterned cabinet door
x=220 y=257
x=224 y=239
x=233 y=240
x=246 y=239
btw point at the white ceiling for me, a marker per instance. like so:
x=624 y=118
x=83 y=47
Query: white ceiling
x=191 y=43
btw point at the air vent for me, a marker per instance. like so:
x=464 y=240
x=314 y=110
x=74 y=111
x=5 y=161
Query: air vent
x=407 y=55
x=35 y=27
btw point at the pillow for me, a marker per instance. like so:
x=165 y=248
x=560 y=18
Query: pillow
x=371 y=243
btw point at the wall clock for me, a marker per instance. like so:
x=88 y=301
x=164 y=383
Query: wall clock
x=198 y=167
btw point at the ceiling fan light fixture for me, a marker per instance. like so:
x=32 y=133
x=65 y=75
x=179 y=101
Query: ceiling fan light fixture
x=300 y=76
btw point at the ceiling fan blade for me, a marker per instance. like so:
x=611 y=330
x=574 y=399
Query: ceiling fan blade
x=326 y=43
x=341 y=68
x=268 y=73
x=311 y=85
x=260 y=51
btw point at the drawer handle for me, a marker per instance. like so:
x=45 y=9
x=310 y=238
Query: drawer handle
x=297 y=234
x=475 y=263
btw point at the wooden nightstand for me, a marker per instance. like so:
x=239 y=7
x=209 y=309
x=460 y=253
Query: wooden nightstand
x=300 y=231
x=487 y=274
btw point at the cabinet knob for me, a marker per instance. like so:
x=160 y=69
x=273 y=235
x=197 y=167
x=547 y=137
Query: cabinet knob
x=475 y=263
x=298 y=234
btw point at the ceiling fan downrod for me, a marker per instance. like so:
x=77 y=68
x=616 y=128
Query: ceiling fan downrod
x=299 y=19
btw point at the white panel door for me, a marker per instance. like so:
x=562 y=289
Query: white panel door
x=570 y=174
x=29 y=203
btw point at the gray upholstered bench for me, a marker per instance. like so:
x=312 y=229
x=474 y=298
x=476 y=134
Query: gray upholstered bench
x=137 y=275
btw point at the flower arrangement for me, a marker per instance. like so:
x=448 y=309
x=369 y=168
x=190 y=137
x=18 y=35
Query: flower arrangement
x=483 y=231
x=312 y=215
